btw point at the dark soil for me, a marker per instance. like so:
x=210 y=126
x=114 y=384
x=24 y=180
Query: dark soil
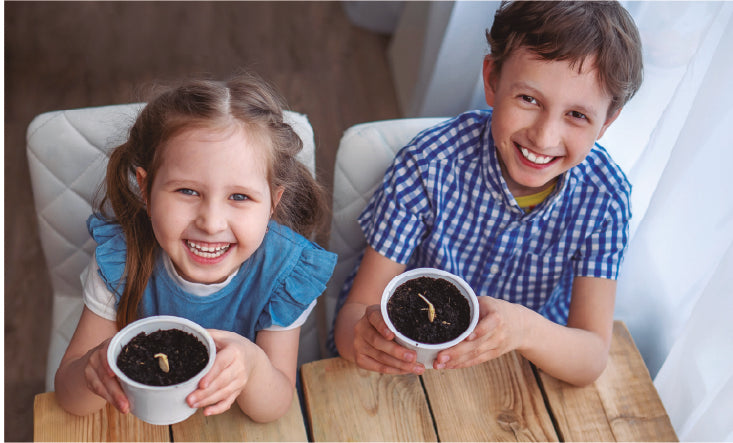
x=409 y=313
x=187 y=356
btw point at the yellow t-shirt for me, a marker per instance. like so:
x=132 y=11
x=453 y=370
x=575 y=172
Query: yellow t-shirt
x=529 y=202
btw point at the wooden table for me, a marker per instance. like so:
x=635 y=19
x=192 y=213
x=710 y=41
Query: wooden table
x=506 y=399
x=51 y=423
x=502 y=400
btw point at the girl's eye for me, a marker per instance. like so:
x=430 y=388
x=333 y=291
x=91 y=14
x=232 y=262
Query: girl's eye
x=579 y=115
x=239 y=197
x=186 y=191
x=528 y=99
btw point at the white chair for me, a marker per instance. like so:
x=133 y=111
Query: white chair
x=67 y=156
x=364 y=154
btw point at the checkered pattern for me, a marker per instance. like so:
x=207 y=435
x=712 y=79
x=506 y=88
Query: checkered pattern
x=444 y=204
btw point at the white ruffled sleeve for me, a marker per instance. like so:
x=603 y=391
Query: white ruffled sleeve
x=95 y=294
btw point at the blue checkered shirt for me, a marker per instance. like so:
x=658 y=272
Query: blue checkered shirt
x=444 y=204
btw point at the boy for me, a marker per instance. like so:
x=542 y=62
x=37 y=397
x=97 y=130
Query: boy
x=518 y=200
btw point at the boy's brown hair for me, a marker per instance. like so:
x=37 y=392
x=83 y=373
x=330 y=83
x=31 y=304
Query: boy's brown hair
x=573 y=31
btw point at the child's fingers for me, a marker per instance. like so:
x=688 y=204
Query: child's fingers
x=220 y=406
x=209 y=384
x=220 y=389
x=95 y=384
x=106 y=386
x=119 y=399
x=467 y=354
x=206 y=380
x=224 y=339
x=374 y=316
x=206 y=391
x=484 y=328
x=369 y=363
x=386 y=364
x=387 y=355
x=227 y=376
x=374 y=352
x=486 y=343
x=218 y=336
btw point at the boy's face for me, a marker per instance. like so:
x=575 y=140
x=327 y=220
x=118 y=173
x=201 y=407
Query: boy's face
x=547 y=116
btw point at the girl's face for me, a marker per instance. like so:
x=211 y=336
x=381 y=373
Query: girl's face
x=210 y=201
x=547 y=116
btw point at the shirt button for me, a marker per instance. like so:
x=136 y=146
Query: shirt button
x=494 y=269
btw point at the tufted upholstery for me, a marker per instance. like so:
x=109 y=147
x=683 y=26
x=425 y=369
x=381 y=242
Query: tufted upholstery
x=364 y=154
x=67 y=156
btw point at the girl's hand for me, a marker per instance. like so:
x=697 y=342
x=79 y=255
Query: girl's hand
x=102 y=381
x=233 y=366
x=376 y=350
x=499 y=330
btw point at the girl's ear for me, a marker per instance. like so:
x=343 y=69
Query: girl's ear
x=141 y=175
x=276 y=199
x=488 y=83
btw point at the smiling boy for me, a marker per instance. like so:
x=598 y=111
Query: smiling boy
x=519 y=200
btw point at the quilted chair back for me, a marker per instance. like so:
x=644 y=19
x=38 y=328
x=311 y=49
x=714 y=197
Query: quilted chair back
x=364 y=154
x=67 y=156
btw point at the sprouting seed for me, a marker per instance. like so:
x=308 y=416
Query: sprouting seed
x=163 y=362
x=431 y=308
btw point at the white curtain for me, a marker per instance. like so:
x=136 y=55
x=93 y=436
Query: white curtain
x=675 y=141
x=675 y=290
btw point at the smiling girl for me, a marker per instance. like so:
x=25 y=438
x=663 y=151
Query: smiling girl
x=204 y=217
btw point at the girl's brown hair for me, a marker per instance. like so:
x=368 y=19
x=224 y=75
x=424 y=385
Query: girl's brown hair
x=573 y=31
x=246 y=100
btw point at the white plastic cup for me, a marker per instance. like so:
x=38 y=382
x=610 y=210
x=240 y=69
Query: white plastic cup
x=159 y=405
x=426 y=352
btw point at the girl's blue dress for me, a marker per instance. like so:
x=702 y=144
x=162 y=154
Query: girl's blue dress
x=273 y=287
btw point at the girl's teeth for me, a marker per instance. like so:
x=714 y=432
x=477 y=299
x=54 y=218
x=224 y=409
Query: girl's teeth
x=536 y=159
x=206 y=251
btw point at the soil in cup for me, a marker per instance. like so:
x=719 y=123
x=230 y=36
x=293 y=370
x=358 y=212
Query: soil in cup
x=410 y=313
x=185 y=354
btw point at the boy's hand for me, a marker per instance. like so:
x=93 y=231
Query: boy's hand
x=235 y=360
x=499 y=330
x=376 y=350
x=102 y=381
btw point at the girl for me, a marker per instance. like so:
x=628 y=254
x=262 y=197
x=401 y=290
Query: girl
x=208 y=211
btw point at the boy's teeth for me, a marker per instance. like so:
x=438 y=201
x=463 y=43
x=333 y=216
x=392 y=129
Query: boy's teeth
x=206 y=251
x=536 y=159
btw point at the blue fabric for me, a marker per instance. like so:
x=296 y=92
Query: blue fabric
x=273 y=287
x=444 y=204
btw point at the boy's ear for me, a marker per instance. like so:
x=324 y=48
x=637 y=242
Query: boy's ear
x=608 y=122
x=489 y=91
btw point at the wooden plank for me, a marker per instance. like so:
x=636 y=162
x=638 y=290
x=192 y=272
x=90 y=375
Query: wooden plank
x=624 y=394
x=233 y=425
x=578 y=412
x=347 y=403
x=495 y=401
x=632 y=403
x=52 y=423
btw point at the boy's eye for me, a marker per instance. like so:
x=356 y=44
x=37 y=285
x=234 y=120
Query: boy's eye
x=239 y=197
x=528 y=99
x=576 y=114
x=186 y=191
